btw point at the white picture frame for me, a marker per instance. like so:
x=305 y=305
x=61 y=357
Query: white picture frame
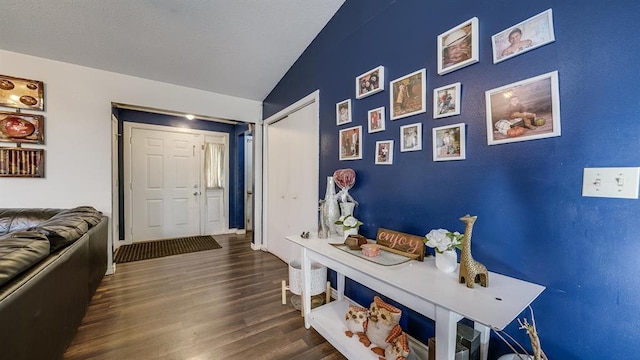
x=408 y=95
x=375 y=120
x=446 y=100
x=384 y=152
x=366 y=85
x=449 y=142
x=411 y=137
x=525 y=110
x=343 y=112
x=458 y=47
x=350 y=143
x=524 y=36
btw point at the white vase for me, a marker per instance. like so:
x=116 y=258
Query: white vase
x=351 y=231
x=447 y=261
x=346 y=208
x=331 y=208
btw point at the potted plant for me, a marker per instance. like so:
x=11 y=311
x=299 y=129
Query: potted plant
x=349 y=225
x=445 y=243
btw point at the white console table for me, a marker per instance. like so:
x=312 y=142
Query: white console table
x=417 y=285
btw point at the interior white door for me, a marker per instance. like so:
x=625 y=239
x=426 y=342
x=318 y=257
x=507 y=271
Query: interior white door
x=215 y=216
x=214 y=212
x=248 y=182
x=292 y=180
x=164 y=184
x=277 y=180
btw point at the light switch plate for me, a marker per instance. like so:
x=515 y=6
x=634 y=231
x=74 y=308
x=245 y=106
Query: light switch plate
x=611 y=182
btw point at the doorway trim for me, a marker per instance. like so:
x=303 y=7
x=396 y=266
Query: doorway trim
x=260 y=243
x=248 y=181
x=127 y=152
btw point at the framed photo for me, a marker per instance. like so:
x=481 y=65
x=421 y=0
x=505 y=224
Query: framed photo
x=458 y=47
x=525 y=110
x=411 y=137
x=370 y=82
x=408 y=95
x=446 y=101
x=449 y=143
x=351 y=143
x=384 y=152
x=376 y=119
x=21 y=128
x=343 y=112
x=522 y=37
x=21 y=93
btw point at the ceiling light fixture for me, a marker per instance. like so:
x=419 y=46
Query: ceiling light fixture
x=190 y=117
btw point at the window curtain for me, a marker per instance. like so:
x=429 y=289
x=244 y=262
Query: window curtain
x=213 y=165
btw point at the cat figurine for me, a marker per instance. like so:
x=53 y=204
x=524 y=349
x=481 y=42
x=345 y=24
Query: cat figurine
x=383 y=318
x=398 y=348
x=356 y=320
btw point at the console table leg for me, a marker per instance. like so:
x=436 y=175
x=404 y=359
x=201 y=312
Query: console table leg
x=446 y=328
x=485 y=333
x=340 y=287
x=306 y=286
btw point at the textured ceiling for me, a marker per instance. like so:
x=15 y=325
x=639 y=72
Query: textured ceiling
x=236 y=47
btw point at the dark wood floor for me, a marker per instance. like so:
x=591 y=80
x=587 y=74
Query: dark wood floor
x=216 y=304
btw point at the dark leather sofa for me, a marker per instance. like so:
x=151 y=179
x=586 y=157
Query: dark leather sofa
x=51 y=263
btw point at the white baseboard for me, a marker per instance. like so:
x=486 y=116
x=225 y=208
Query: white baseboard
x=111 y=269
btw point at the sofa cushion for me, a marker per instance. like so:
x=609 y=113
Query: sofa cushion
x=22 y=219
x=19 y=251
x=67 y=226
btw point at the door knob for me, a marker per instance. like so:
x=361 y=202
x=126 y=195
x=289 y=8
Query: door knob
x=195 y=193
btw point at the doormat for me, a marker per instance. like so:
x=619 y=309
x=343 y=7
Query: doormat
x=159 y=248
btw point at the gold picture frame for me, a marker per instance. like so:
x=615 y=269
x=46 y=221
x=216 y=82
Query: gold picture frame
x=21 y=162
x=21 y=93
x=21 y=128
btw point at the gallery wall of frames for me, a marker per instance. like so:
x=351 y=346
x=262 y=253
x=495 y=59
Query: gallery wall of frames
x=520 y=111
x=19 y=126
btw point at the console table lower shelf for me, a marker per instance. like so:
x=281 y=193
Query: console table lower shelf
x=328 y=321
x=417 y=285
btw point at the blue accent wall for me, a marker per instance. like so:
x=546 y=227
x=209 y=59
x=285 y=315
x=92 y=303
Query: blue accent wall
x=236 y=175
x=533 y=223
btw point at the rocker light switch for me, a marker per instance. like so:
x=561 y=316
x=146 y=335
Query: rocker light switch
x=611 y=182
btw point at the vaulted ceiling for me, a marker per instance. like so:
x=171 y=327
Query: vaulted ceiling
x=234 y=47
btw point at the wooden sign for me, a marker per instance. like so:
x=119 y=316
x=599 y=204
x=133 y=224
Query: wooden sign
x=406 y=244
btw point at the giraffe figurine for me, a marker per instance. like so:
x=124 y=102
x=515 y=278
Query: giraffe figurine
x=471 y=271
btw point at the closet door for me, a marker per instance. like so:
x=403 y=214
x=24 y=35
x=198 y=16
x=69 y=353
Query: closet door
x=278 y=182
x=292 y=180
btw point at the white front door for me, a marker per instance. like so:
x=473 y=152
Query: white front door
x=165 y=184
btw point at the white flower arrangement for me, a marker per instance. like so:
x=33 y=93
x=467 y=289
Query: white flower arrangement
x=442 y=240
x=348 y=222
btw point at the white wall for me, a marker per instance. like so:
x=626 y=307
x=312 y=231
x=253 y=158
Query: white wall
x=78 y=127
